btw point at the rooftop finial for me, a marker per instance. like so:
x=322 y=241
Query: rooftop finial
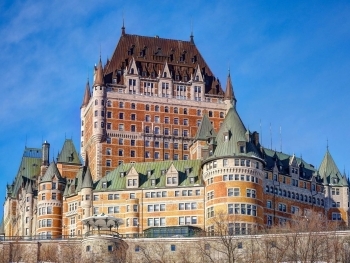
x=123 y=27
x=327 y=144
x=191 y=37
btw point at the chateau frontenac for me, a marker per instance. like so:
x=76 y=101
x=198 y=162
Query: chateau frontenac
x=162 y=145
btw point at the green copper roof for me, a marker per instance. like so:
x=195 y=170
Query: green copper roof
x=205 y=129
x=87 y=182
x=68 y=153
x=117 y=181
x=329 y=170
x=28 y=170
x=233 y=128
x=50 y=173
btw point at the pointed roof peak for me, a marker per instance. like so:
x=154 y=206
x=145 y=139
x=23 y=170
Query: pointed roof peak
x=205 y=129
x=50 y=173
x=87 y=182
x=99 y=81
x=68 y=153
x=229 y=94
x=87 y=94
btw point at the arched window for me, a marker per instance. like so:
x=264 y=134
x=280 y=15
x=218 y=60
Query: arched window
x=147 y=107
x=121 y=104
x=96 y=102
x=156 y=108
x=199 y=113
x=109 y=103
x=132 y=71
x=185 y=111
x=166 y=109
x=267 y=188
x=165 y=75
x=176 y=110
x=102 y=102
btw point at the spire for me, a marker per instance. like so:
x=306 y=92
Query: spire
x=328 y=169
x=87 y=94
x=205 y=129
x=229 y=95
x=191 y=36
x=123 y=27
x=99 y=75
x=87 y=182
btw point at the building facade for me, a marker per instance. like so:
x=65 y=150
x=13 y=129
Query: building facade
x=162 y=145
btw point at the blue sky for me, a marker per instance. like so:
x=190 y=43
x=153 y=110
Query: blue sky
x=289 y=62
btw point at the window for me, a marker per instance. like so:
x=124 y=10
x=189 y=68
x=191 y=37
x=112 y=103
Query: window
x=132 y=196
x=336 y=216
x=121 y=127
x=133 y=128
x=268 y=204
x=172 y=247
x=251 y=193
x=54 y=196
x=210 y=212
x=108 y=163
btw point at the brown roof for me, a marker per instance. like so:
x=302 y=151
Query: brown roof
x=151 y=53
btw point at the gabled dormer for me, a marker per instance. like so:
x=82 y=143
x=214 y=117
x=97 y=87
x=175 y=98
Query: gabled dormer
x=293 y=166
x=166 y=72
x=197 y=77
x=132 y=68
x=172 y=176
x=132 y=178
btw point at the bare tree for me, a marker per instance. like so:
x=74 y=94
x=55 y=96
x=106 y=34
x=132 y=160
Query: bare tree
x=226 y=246
x=48 y=252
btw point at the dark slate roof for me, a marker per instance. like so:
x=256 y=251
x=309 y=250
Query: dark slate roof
x=151 y=53
x=329 y=171
x=51 y=171
x=68 y=153
x=117 y=182
x=205 y=129
x=306 y=170
x=236 y=131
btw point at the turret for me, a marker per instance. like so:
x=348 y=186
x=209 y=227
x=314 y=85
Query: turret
x=98 y=97
x=45 y=157
x=86 y=193
x=50 y=201
x=229 y=94
x=28 y=214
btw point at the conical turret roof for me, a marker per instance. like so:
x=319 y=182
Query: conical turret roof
x=87 y=182
x=232 y=135
x=87 y=95
x=99 y=81
x=329 y=170
x=229 y=94
x=205 y=129
x=50 y=173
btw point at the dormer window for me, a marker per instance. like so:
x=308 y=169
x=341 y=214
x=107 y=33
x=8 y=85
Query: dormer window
x=121 y=174
x=335 y=180
x=241 y=149
x=226 y=137
x=164 y=75
x=153 y=182
x=104 y=185
x=149 y=173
